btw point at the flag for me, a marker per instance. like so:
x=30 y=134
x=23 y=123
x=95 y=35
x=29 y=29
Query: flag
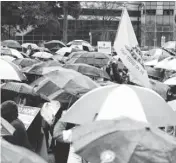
x=126 y=46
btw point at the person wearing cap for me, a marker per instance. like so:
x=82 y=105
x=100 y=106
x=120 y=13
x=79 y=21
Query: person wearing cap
x=9 y=111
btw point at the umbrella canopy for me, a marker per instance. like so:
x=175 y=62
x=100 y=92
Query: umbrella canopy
x=88 y=70
x=70 y=81
x=170 y=45
x=65 y=51
x=8 y=58
x=11 y=52
x=172 y=104
x=6 y=128
x=9 y=71
x=161 y=88
x=124 y=100
x=13 y=89
x=168 y=64
x=156 y=55
x=123 y=141
x=43 y=55
x=25 y=62
x=171 y=81
x=17 y=154
x=152 y=72
x=54 y=43
x=91 y=58
x=34 y=46
x=11 y=44
x=80 y=44
x=38 y=67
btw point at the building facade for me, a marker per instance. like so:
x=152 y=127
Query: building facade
x=151 y=21
x=157 y=21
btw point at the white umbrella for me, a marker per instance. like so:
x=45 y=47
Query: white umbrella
x=172 y=104
x=64 y=50
x=170 y=45
x=80 y=44
x=11 y=52
x=111 y=102
x=171 y=81
x=8 y=58
x=151 y=63
x=156 y=55
x=168 y=64
x=43 y=55
x=9 y=71
x=34 y=46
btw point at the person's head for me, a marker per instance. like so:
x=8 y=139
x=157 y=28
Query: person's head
x=29 y=47
x=9 y=110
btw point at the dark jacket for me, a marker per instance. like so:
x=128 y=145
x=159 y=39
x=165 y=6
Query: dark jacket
x=20 y=135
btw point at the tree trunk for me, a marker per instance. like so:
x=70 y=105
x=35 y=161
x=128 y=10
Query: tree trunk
x=65 y=22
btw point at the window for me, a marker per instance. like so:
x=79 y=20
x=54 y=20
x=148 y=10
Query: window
x=166 y=3
x=168 y=12
x=159 y=20
x=159 y=12
x=153 y=3
x=166 y=20
x=159 y=3
x=150 y=12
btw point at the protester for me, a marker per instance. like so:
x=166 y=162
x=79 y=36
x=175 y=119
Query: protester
x=62 y=134
x=29 y=51
x=9 y=111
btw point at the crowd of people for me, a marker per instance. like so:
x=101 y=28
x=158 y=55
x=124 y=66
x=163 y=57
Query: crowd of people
x=48 y=139
x=56 y=136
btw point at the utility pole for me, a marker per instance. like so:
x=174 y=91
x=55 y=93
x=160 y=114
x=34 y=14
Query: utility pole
x=65 y=21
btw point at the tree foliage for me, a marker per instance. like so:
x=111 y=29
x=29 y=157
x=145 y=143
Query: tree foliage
x=35 y=13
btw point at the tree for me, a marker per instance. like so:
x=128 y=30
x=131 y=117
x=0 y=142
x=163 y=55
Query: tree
x=42 y=14
x=69 y=8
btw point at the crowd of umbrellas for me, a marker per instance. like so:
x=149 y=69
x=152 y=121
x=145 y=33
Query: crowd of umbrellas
x=117 y=122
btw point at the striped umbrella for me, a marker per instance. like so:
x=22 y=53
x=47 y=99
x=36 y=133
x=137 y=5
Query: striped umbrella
x=121 y=100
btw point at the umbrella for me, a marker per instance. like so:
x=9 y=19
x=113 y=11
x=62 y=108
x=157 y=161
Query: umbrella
x=54 y=43
x=171 y=81
x=161 y=88
x=13 y=89
x=38 y=67
x=80 y=44
x=25 y=62
x=63 y=96
x=6 y=128
x=172 y=104
x=11 y=44
x=43 y=55
x=152 y=72
x=121 y=100
x=9 y=71
x=70 y=81
x=88 y=70
x=8 y=58
x=11 y=52
x=170 y=45
x=34 y=46
x=65 y=51
x=123 y=141
x=91 y=58
x=157 y=55
x=17 y=154
x=168 y=64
